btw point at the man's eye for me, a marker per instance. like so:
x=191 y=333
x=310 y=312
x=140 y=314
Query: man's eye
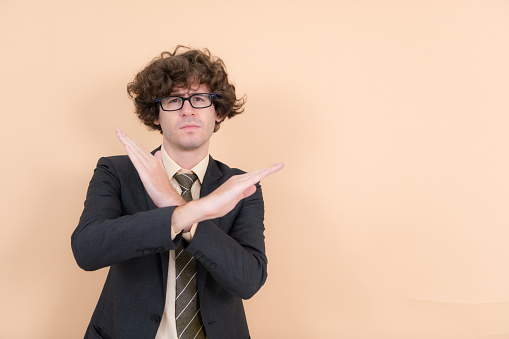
x=198 y=98
x=173 y=100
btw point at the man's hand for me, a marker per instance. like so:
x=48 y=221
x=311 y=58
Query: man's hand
x=215 y=205
x=222 y=200
x=238 y=187
x=151 y=172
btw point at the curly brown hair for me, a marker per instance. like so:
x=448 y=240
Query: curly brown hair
x=181 y=69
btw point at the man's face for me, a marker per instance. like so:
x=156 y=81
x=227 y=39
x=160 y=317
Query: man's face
x=187 y=129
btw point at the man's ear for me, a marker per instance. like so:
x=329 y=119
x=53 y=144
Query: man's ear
x=156 y=121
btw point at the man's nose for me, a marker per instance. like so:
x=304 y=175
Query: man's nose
x=187 y=109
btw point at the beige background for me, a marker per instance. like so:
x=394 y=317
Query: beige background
x=401 y=107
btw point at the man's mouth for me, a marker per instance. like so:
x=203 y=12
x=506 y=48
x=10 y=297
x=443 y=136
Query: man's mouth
x=189 y=126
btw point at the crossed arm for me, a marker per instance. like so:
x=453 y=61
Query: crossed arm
x=112 y=233
x=215 y=205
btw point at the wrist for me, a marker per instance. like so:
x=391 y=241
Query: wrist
x=176 y=201
x=169 y=200
x=186 y=215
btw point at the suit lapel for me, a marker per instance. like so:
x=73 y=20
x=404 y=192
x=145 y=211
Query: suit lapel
x=212 y=175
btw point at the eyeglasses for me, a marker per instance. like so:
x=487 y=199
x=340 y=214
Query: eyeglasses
x=198 y=100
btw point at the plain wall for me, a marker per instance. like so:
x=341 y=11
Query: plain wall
x=391 y=217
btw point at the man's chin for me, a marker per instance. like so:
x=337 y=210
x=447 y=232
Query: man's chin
x=187 y=144
x=190 y=146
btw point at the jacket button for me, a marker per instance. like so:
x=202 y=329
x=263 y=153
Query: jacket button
x=208 y=262
x=213 y=266
x=198 y=255
x=156 y=319
x=139 y=252
x=146 y=251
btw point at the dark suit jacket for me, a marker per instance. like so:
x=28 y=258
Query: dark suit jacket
x=122 y=228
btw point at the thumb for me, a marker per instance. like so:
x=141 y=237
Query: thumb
x=250 y=190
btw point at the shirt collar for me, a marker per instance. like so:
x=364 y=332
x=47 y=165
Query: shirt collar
x=172 y=167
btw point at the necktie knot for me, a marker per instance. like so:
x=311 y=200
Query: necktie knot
x=185 y=181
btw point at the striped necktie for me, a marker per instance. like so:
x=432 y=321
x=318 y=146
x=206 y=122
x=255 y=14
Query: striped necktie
x=187 y=307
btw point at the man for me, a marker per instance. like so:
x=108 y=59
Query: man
x=181 y=232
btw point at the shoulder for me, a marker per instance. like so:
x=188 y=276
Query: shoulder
x=115 y=162
x=114 y=159
x=119 y=166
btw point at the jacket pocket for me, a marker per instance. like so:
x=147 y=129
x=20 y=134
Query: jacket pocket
x=98 y=332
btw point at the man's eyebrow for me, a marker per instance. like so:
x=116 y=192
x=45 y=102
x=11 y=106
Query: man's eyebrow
x=190 y=92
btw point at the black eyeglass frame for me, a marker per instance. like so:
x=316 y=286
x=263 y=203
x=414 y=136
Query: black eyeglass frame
x=213 y=95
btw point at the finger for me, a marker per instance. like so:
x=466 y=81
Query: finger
x=136 y=155
x=276 y=167
x=125 y=139
x=138 y=164
x=134 y=145
x=138 y=161
x=136 y=148
x=120 y=136
x=138 y=151
x=258 y=175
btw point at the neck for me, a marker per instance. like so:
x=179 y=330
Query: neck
x=187 y=159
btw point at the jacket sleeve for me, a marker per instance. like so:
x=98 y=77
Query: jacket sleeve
x=116 y=224
x=233 y=251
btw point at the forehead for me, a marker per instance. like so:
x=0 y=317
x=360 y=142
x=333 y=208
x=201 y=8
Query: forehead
x=193 y=88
